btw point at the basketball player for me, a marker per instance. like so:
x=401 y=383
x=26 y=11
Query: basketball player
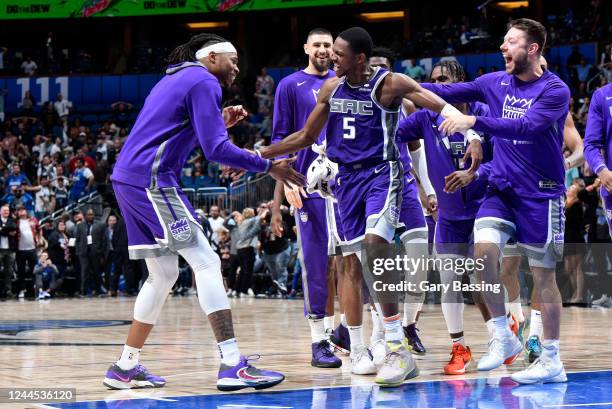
x=457 y=211
x=413 y=230
x=512 y=258
x=183 y=111
x=361 y=108
x=528 y=108
x=295 y=98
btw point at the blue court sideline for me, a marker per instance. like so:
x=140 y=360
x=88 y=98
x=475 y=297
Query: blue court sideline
x=583 y=390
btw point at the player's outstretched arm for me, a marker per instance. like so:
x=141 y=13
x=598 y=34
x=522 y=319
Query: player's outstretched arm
x=573 y=141
x=312 y=129
x=595 y=140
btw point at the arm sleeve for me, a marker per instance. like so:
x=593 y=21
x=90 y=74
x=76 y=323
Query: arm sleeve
x=457 y=92
x=203 y=104
x=594 y=136
x=409 y=129
x=548 y=109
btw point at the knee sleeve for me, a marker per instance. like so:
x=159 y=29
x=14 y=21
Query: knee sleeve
x=206 y=267
x=163 y=272
x=452 y=302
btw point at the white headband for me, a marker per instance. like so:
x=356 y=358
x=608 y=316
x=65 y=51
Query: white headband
x=218 y=48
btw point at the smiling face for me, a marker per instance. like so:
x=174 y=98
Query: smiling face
x=224 y=66
x=343 y=58
x=515 y=50
x=319 y=51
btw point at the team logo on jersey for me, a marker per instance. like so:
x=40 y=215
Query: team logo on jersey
x=303 y=216
x=515 y=107
x=393 y=214
x=315 y=93
x=457 y=148
x=180 y=229
x=350 y=106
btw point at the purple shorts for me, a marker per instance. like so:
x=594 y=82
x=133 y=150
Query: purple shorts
x=454 y=237
x=159 y=221
x=537 y=225
x=412 y=224
x=369 y=200
x=335 y=233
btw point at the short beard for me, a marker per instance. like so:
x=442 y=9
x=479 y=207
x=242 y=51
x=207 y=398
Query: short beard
x=319 y=67
x=520 y=66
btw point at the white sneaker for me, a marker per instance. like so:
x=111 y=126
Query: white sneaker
x=378 y=349
x=601 y=300
x=250 y=293
x=542 y=370
x=500 y=349
x=229 y=292
x=361 y=361
x=21 y=294
x=41 y=295
x=46 y=294
x=192 y=291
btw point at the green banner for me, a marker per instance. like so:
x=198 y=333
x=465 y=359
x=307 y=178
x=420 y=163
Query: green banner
x=28 y=9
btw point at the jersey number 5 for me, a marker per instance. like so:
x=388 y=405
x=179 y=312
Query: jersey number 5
x=348 y=124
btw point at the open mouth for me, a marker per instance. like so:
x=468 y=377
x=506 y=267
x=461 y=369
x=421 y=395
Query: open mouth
x=507 y=59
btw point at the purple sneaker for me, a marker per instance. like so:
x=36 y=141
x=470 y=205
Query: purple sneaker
x=323 y=356
x=414 y=341
x=137 y=377
x=244 y=375
x=340 y=339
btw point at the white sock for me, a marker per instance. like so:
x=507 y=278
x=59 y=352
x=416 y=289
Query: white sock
x=343 y=320
x=230 y=354
x=328 y=323
x=459 y=340
x=356 y=336
x=550 y=349
x=129 y=358
x=393 y=329
x=317 y=329
x=535 y=327
x=517 y=310
x=490 y=328
x=411 y=309
x=378 y=328
x=501 y=326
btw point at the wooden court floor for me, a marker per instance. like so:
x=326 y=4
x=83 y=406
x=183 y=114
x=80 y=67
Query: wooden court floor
x=182 y=349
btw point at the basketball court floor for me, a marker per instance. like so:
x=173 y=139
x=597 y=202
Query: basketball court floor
x=69 y=343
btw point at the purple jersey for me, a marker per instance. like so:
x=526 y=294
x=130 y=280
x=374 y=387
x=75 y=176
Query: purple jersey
x=296 y=97
x=527 y=120
x=360 y=131
x=598 y=133
x=404 y=152
x=443 y=158
x=182 y=110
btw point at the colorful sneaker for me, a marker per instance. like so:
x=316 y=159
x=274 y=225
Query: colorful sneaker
x=542 y=370
x=137 y=377
x=514 y=327
x=341 y=340
x=460 y=359
x=244 y=375
x=398 y=366
x=323 y=356
x=410 y=332
x=500 y=350
x=533 y=348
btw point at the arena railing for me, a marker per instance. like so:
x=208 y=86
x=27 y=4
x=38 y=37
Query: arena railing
x=93 y=200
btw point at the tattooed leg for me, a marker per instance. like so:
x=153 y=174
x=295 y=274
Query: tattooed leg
x=222 y=325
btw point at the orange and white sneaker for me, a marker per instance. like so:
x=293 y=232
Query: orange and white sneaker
x=460 y=359
x=515 y=330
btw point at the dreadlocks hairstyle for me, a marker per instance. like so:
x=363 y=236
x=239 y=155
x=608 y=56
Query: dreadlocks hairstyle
x=186 y=52
x=385 y=52
x=452 y=69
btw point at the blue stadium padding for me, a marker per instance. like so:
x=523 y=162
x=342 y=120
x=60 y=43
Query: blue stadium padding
x=129 y=89
x=111 y=86
x=92 y=90
x=145 y=84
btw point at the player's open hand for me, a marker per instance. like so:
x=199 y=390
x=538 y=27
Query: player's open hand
x=277 y=224
x=294 y=195
x=282 y=171
x=457 y=180
x=233 y=114
x=457 y=123
x=605 y=176
x=432 y=203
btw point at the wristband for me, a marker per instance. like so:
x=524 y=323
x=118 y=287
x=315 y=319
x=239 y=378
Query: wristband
x=472 y=135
